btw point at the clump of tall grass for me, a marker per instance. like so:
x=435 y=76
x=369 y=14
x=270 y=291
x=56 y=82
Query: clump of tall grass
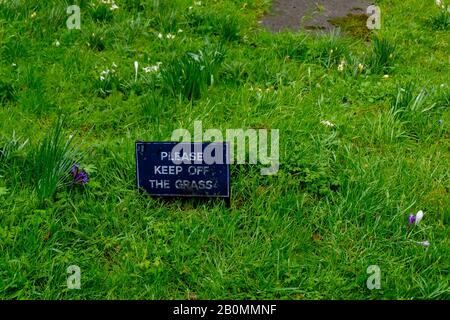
x=443 y=99
x=226 y=25
x=409 y=102
x=51 y=161
x=441 y=21
x=193 y=73
x=34 y=98
x=329 y=49
x=134 y=6
x=50 y=17
x=291 y=46
x=101 y=13
x=235 y=72
x=153 y=104
x=97 y=41
x=385 y=129
x=382 y=55
x=7 y=92
x=15 y=47
x=12 y=157
x=165 y=15
x=9 y=147
x=12 y=10
x=414 y=109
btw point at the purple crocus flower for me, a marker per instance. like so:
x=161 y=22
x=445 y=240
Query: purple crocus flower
x=411 y=219
x=79 y=175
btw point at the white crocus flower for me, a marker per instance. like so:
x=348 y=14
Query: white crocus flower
x=419 y=216
x=327 y=123
x=136 y=66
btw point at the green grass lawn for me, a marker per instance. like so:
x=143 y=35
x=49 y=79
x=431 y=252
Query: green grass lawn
x=339 y=203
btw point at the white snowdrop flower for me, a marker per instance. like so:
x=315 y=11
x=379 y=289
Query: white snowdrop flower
x=136 y=66
x=197 y=3
x=342 y=65
x=424 y=243
x=160 y=35
x=151 y=69
x=441 y=4
x=180 y=30
x=114 y=7
x=114 y=65
x=14 y=65
x=327 y=123
x=102 y=78
x=190 y=8
x=105 y=72
x=56 y=43
x=419 y=216
x=170 y=36
x=386 y=76
x=154 y=68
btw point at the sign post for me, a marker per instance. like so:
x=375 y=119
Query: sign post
x=183 y=169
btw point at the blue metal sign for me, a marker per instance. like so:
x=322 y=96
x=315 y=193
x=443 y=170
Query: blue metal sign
x=183 y=169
